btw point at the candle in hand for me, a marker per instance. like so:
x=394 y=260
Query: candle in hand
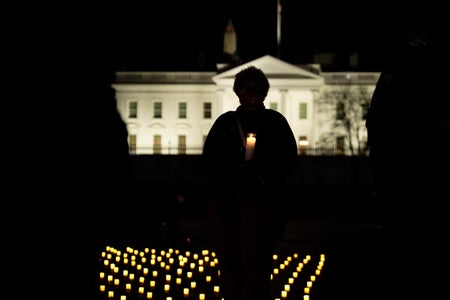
x=250 y=146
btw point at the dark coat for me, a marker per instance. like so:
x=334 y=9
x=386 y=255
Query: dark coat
x=274 y=158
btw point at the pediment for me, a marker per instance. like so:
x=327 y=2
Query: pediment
x=276 y=70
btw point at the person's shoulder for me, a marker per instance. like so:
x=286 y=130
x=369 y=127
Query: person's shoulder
x=225 y=116
x=274 y=114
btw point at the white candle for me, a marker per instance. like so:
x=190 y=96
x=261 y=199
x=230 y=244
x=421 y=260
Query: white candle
x=250 y=145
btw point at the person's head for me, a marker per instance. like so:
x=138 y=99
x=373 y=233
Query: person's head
x=251 y=86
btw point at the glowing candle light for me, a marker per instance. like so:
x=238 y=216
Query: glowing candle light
x=123 y=297
x=141 y=279
x=110 y=294
x=185 y=291
x=291 y=280
x=208 y=278
x=116 y=281
x=283 y=294
x=128 y=286
x=309 y=284
x=193 y=284
x=110 y=278
x=189 y=274
x=102 y=275
x=200 y=269
x=306 y=290
x=313 y=278
x=250 y=145
x=178 y=280
x=141 y=290
x=149 y=295
x=168 y=277
x=216 y=289
x=102 y=288
x=287 y=287
x=152 y=283
x=145 y=271
x=167 y=287
x=305 y=297
x=201 y=296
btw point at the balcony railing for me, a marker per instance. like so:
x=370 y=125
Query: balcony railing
x=197 y=150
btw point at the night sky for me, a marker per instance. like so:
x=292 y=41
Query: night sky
x=188 y=35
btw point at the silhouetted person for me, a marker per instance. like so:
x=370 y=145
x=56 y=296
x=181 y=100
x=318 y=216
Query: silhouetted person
x=408 y=130
x=246 y=189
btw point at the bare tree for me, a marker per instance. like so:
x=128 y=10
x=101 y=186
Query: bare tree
x=343 y=109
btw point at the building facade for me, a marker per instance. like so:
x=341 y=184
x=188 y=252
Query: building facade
x=172 y=112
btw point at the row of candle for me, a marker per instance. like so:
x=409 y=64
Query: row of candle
x=167 y=274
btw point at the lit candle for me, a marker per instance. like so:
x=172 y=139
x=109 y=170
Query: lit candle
x=250 y=145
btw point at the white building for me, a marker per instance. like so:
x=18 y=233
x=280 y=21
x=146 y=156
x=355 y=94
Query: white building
x=172 y=112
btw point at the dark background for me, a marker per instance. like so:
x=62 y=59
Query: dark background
x=188 y=35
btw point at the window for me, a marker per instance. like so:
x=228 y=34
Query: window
x=340 y=111
x=132 y=109
x=132 y=143
x=365 y=109
x=157 y=110
x=303 y=144
x=207 y=110
x=273 y=105
x=182 y=107
x=157 y=144
x=340 y=145
x=181 y=144
x=303 y=111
